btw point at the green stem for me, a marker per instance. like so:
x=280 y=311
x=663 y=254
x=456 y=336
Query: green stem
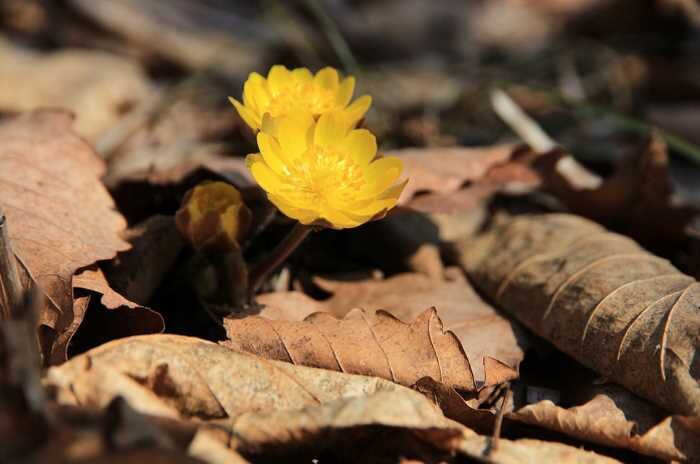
x=271 y=262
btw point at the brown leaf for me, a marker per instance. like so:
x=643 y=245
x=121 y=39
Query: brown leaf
x=616 y=418
x=446 y=170
x=363 y=343
x=637 y=191
x=607 y=415
x=481 y=330
x=97 y=86
x=263 y=405
x=61 y=217
x=134 y=319
x=526 y=451
x=600 y=298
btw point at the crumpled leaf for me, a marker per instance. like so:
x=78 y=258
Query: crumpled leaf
x=607 y=415
x=639 y=190
x=598 y=297
x=262 y=405
x=61 y=217
x=481 y=330
x=97 y=86
x=375 y=344
x=616 y=418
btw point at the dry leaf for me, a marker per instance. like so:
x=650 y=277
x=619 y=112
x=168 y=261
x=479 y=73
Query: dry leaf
x=60 y=216
x=616 y=418
x=384 y=419
x=600 y=298
x=99 y=87
x=196 y=378
x=263 y=405
x=363 y=343
x=608 y=415
x=639 y=190
x=481 y=330
x=446 y=170
x=527 y=451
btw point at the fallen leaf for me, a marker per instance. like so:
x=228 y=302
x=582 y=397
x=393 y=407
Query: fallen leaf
x=196 y=378
x=264 y=406
x=446 y=170
x=639 y=190
x=526 y=451
x=481 y=330
x=607 y=415
x=60 y=216
x=363 y=343
x=598 y=297
x=398 y=420
x=99 y=87
x=616 y=418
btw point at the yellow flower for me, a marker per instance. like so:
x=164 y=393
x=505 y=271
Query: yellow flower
x=286 y=91
x=325 y=173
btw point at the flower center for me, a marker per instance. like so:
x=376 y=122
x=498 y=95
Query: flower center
x=309 y=96
x=324 y=175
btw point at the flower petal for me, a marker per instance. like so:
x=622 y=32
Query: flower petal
x=271 y=153
x=361 y=144
x=305 y=216
x=358 y=108
x=264 y=176
x=277 y=79
x=338 y=219
x=294 y=133
x=302 y=75
x=345 y=90
x=331 y=128
x=250 y=118
x=255 y=94
x=384 y=201
x=380 y=175
x=327 y=78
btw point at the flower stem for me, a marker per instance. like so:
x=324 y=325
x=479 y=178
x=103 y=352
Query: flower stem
x=276 y=257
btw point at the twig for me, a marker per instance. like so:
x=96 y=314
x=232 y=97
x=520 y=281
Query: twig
x=540 y=142
x=526 y=128
x=495 y=438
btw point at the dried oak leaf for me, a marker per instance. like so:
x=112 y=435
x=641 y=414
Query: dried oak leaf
x=363 y=343
x=481 y=330
x=60 y=216
x=599 y=297
x=262 y=405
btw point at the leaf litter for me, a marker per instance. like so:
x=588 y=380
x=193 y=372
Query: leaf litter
x=467 y=325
